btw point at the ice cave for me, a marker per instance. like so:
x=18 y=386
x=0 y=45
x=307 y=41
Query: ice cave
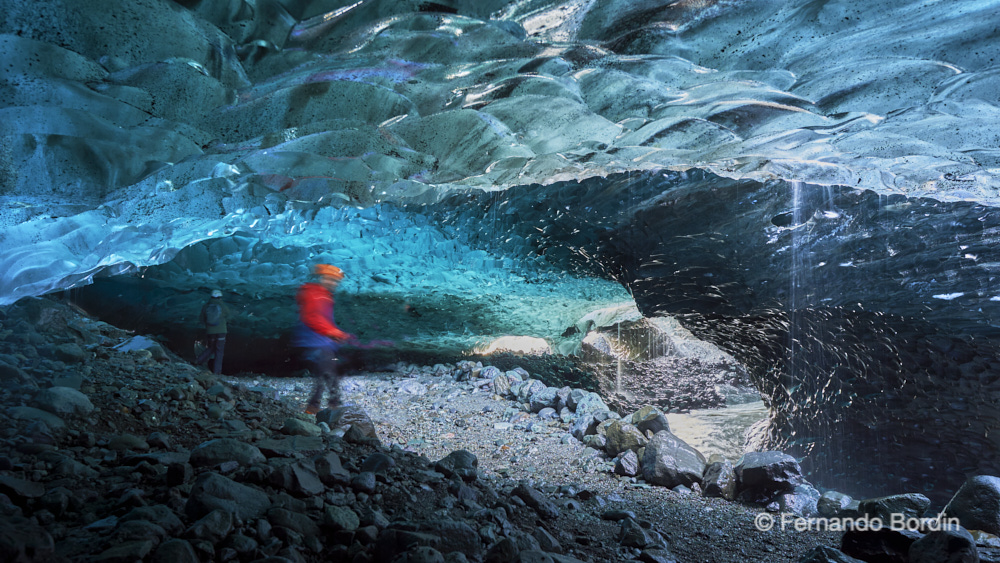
x=804 y=192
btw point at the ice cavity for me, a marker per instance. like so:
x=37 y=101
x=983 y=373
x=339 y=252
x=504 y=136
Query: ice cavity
x=181 y=122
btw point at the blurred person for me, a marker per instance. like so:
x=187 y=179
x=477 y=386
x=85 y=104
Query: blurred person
x=317 y=337
x=214 y=315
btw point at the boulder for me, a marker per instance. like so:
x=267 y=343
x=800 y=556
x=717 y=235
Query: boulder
x=669 y=461
x=977 y=504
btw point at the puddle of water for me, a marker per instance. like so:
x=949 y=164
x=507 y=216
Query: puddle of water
x=718 y=431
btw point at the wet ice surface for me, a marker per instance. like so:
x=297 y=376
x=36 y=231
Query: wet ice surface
x=283 y=116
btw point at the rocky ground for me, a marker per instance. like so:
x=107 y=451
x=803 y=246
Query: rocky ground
x=113 y=449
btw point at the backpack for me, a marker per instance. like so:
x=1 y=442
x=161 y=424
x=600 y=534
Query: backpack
x=213 y=314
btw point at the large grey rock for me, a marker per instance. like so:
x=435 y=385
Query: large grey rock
x=584 y=425
x=535 y=499
x=669 y=461
x=945 y=546
x=212 y=491
x=591 y=402
x=801 y=501
x=906 y=506
x=543 y=399
x=649 y=419
x=297 y=477
x=833 y=503
x=761 y=476
x=977 y=504
x=719 y=480
x=63 y=401
x=461 y=463
x=221 y=450
x=622 y=436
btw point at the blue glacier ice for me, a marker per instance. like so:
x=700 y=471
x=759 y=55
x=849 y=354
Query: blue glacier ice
x=811 y=186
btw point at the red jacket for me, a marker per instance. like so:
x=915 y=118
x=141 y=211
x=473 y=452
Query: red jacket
x=316 y=311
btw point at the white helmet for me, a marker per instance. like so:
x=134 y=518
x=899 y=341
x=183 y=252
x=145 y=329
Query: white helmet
x=216 y=293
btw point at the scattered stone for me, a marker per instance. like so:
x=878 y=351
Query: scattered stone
x=222 y=450
x=719 y=480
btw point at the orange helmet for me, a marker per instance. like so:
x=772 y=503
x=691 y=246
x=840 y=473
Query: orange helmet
x=328 y=270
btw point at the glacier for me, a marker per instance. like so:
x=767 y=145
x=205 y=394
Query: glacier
x=810 y=185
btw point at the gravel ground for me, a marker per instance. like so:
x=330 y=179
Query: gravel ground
x=433 y=415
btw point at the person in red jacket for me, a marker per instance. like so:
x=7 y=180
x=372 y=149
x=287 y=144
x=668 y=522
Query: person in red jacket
x=317 y=336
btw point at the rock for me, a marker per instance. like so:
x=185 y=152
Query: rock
x=719 y=480
x=299 y=427
x=220 y=450
x=490 y=372
x=501 y=552
x=175 y=551
x=378 y=463
x=420 y=554
x=622 y=436
x=32 y=414
x=543 y=399
x=627 y=464
x=832 y=503
x=213 y=491
x=574 y=398
x=124 y=442
x=24 y=540
x=885 y=545
x=461 y=463
x=526 y=389
x=338 y=518
x=412 y=387
x=364 y=482
x=162 y=515
x=70 y=353
x=291 y=446
x=592 y=402
x=825 y=554
x=212 y=527
x=20 y=489
x=500 y=385
x=535 y=499
x=977 y=504
x=596 y=441
x=761 y=476
x=359 y=426
x=634 y=535
x=801 y=501
x=128 y=551
x=669 y=461
x=649 y=419
x=297 y=477
x=63 y=401
x=584 y=425
x=296 y=521
x=905 y=506
x=945 y=546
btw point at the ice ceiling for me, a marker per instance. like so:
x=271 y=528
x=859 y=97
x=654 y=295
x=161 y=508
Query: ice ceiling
x=778 y=174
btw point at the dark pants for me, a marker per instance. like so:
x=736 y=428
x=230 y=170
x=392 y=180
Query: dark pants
x=215 y=346
x=322 y=362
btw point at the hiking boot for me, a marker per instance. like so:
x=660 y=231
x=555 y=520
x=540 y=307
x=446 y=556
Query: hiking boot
x=312 y=409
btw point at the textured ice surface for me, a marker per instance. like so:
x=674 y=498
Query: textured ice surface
x=131 y=130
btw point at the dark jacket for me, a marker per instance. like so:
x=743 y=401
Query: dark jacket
x=221 y=327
